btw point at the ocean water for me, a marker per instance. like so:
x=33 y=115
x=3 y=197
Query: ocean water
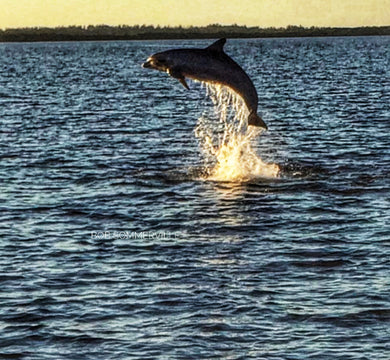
x=116 y=243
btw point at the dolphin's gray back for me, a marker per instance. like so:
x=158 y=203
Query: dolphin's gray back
x=215 y=66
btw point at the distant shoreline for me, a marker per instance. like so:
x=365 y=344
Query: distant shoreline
x=144 y=32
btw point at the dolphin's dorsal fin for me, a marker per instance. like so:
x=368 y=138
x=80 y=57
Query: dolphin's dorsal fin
x=217 y=46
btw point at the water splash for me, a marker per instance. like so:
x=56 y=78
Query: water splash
x=227 y=144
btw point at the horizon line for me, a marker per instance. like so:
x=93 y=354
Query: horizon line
x=192 y=26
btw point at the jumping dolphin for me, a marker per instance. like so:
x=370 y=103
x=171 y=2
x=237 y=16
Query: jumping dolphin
x=210 y=65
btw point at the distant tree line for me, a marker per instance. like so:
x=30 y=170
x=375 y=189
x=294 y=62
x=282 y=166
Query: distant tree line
x=148 y=32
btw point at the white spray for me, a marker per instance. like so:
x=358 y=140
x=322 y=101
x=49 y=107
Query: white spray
x=227 y=145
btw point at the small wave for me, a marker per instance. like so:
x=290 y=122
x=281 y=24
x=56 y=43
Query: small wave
x=352 y=319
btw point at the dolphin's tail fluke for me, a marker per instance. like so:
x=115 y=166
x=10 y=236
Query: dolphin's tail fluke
x=256 y=120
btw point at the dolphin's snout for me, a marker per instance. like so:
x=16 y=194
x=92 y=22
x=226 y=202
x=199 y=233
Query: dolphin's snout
x=149 y=63
x=146 y=64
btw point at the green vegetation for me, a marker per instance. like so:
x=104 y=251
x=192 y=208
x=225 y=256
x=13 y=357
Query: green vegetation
x=144 y=32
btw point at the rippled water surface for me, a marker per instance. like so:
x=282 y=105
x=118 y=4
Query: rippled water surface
x=113 y=246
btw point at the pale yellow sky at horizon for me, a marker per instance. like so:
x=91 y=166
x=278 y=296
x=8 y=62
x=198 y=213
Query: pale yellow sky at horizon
x=263 y=13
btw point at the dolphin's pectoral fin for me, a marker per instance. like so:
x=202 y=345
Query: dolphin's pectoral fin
x=184 y=83
x=177 y=74
x=217 y=46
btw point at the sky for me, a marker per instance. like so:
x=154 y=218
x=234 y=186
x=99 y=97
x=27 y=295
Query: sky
x=263 y=13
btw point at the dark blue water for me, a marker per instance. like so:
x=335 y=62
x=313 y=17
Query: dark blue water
x=113 y=247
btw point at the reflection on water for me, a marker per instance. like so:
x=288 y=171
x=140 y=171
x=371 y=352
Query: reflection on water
x=250 y=265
